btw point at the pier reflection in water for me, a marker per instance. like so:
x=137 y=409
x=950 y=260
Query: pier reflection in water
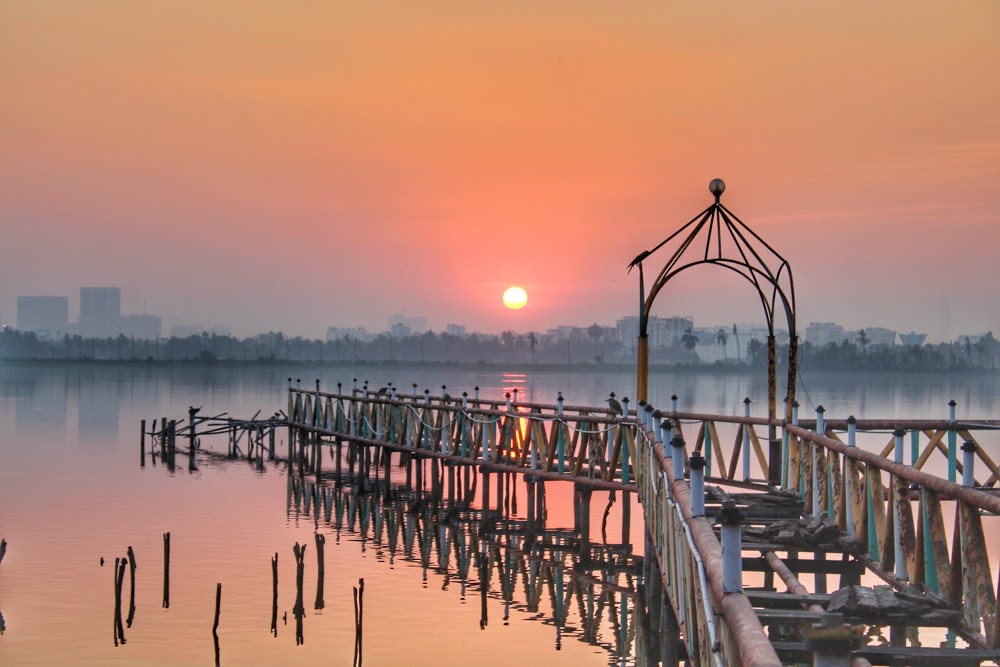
x=488 y=535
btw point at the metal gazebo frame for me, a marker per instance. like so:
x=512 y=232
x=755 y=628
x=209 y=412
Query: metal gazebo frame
x=729 y=243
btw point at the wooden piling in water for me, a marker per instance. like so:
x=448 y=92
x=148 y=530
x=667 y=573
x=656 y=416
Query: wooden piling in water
x=142 y=444
x=166 y=570
x=131 y=593
x=320 y=569
x=218 y=605
x=274 y=599
x=119 y=629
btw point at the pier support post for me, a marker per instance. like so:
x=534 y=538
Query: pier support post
x=952 y=443
x=142 y=444
x=968 y=463
x=830 y=641
x=677 y=443
x=732 y=548
x=697 y=465
x=746 y=441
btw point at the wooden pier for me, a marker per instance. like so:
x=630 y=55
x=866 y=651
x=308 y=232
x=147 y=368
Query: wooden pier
x=794 y=548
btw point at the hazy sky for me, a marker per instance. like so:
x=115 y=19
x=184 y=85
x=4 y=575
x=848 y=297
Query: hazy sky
x=271 y=165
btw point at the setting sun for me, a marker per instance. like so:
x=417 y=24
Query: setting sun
x=515 y=298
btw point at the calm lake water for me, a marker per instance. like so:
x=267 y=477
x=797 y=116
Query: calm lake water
x=72 y=492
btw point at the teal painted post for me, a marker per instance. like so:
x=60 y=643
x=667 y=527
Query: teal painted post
x=952 y=443
x=914 y=446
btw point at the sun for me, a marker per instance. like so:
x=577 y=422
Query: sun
x=515 y=298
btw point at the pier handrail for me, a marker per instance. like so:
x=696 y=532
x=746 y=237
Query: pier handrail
x=742 y=634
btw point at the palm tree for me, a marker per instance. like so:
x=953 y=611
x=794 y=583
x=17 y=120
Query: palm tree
x=596 y=333
x=736 y=334
x=755 y=350
x=863 y=341
x=721 y=339
x=532 y=342
x=690 y=342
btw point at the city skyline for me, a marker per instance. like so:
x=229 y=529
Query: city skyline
x=102 y=317
x=277 y=170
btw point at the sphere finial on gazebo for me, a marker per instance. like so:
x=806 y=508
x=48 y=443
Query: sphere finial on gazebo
x=717 y=186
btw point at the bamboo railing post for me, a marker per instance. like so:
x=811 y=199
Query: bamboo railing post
x=897 y=522
x=952 y=442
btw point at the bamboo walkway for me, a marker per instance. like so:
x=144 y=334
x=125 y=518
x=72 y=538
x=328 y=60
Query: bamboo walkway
x=745 y=556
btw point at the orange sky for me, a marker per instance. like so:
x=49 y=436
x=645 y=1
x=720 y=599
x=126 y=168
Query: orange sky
x=248 y=164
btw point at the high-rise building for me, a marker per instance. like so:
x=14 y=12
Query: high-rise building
x=47 y=316
x=100 y=312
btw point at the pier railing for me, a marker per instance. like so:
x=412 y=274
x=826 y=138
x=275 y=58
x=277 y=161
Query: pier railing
x=891 y=512
x=551 y=441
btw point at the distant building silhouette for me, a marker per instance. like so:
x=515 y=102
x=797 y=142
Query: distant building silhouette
x=100 y=312
x=143 y=327
x=47 y=316
x=413 y=324
x=340 y=333
x=820 y=334
x=912 y=338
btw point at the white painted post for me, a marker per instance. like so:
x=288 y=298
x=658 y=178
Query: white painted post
x=732 y=548
x=677 y=443
x=697 y=465
x=968 y=463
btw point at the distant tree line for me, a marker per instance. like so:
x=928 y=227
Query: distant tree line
x=588 y=347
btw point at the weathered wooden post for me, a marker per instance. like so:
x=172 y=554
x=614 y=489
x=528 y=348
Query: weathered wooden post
x=218 y=606
x=952 y=442
x=131 y=594
x=192 y=424
x=299 y=609
x=274 y=598
x=817 y=507
x=166 y=570
x=852 y=438
x=320 y=570
x=830 y=641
